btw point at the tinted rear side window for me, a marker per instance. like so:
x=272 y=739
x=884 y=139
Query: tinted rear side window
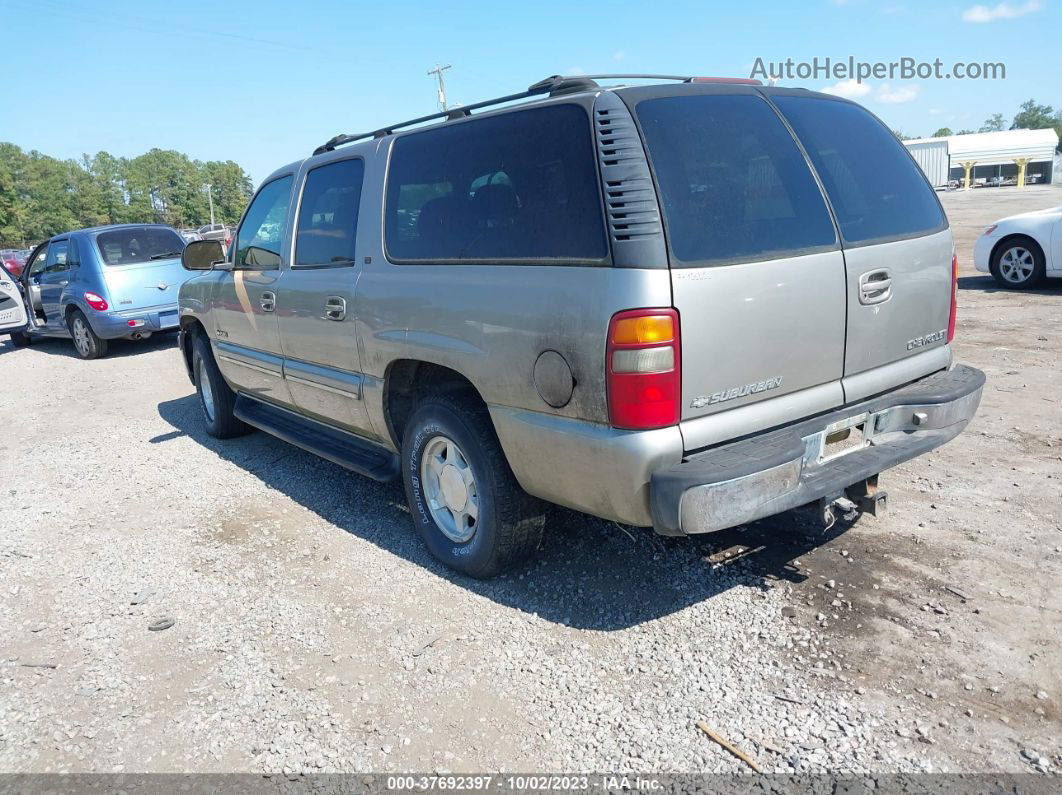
x=733 y=183
x=328 y=214
x=876 y=189
x=519 y=186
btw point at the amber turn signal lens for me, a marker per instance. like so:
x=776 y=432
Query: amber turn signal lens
x=643 y=330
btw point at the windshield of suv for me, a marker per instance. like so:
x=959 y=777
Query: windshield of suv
x=139 y=244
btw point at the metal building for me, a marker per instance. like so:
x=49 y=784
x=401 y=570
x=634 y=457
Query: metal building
x=932 y=156
x=989 y=159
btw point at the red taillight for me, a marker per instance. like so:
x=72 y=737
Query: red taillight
x=96 y=302
x=954 y=290
x=642 y=361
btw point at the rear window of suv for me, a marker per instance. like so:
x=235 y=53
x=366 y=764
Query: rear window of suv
x=876 y=189
x=521 y=186
x=733 y=183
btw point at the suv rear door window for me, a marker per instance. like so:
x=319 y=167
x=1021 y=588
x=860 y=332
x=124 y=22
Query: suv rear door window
x=517 y=186
x=877 y=191
x=733 y=183
x=328 y=214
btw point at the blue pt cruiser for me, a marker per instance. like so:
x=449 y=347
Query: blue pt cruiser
x=94 y=285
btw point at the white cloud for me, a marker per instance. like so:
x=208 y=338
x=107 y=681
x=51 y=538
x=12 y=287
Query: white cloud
x=981 y=13
x=619 y=56
x=895 y=96
x=849 y=89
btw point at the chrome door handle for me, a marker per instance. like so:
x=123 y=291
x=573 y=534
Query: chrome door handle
x=875 y=287
x=268 y=302
x=335 y=308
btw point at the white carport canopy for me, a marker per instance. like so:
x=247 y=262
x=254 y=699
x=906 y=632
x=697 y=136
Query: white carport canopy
x=996 y=148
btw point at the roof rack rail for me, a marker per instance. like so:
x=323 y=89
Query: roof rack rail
x=554 y=85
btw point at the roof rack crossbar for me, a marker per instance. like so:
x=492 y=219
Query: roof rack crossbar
x=552 y=85
x=464 y=110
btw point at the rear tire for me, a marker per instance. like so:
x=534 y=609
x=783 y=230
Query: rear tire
x=216 y=398
x=87 y=343
x=462 y=494
x=1018 y=263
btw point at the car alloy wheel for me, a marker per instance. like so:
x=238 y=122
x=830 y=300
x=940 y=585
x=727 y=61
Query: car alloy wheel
x=1017 y=264
x=81 y=336
x=450 y=489
x=206 y=391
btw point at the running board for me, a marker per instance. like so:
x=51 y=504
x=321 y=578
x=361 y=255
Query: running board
x=339 y=447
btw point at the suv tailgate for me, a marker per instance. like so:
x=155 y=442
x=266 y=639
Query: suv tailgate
x=897 y=246
x=757 y=272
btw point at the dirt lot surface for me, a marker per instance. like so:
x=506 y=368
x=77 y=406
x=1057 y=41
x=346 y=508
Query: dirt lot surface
x=313 y=632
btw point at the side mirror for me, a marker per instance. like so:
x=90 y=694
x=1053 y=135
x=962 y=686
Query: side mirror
x=201 y=255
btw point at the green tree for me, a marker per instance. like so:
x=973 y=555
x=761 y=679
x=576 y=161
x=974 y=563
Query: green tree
x=993 y=123
x=943 y=132
x=901 y=136
x=231 y=189
x=966 y=132
x=1034 y=117
x=41 y=196
x=1039 y=117
x=108 y=173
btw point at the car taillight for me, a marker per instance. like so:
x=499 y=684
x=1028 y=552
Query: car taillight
x=954 y=290
x=96 y=302
x=643 y=368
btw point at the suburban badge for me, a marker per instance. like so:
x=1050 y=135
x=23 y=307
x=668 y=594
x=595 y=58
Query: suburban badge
x=736 y=392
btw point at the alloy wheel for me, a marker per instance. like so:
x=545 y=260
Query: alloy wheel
x=206 y=393
x=450 y=489
x=1017 y=265
x=81 y=337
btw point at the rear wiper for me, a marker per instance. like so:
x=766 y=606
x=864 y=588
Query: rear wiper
x=165 y=255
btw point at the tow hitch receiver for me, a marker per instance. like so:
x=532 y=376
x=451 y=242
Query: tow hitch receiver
x=862 y=497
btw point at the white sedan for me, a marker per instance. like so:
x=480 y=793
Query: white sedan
x=1021 y=250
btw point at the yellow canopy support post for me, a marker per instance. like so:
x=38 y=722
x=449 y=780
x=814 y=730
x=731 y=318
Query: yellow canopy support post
x=1021 y=163
x=968 y=168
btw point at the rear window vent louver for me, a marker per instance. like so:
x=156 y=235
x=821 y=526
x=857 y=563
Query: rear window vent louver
x=630 y=198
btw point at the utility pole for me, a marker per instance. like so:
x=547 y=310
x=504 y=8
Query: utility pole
x=210 y=198
x=438 y=73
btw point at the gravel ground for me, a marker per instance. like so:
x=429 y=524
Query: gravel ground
x=313 y=633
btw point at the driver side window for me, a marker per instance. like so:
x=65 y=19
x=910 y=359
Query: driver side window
x=57 y=251
x=258 y=241
x=35 y=267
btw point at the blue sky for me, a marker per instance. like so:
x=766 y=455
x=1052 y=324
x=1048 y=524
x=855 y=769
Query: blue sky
x=264 y=82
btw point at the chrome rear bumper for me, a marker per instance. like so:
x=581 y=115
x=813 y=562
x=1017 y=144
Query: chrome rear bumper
x=762 y=475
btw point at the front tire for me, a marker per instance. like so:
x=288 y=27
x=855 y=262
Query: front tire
x=1018 y=263
x=20 y=339
x=462 y=494
x=87 y=343
x=216 y=398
